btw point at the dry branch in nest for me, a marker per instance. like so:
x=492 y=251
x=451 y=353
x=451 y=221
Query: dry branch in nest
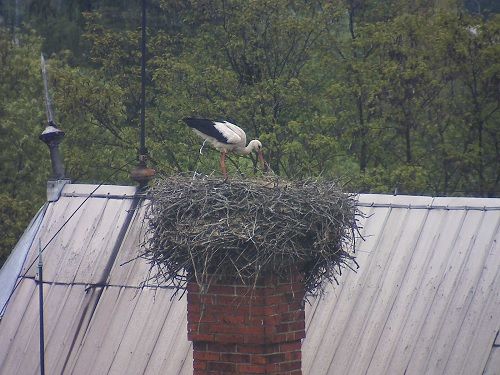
x=200 y=228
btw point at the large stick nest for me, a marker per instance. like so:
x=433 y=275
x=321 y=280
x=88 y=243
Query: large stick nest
x=204 y=228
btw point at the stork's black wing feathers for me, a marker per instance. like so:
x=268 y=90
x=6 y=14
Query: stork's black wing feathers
x=205 y=126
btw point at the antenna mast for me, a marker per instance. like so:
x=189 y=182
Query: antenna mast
x=48 y=102
x=51 y=135
x=40 y=306
x=142 y=174
x=143 y=150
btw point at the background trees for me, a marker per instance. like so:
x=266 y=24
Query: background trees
x=384 y=95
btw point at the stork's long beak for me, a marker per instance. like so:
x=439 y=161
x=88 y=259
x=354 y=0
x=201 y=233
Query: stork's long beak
x=262 y=162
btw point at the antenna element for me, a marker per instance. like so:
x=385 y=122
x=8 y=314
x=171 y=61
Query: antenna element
x=51 y=135
x=142 y=174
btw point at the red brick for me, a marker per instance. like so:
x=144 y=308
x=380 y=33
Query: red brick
x=251 y=369
x=193 y=316
x=291 y=297
x=200 y=337
x=234 y=318
x=193 y=287
x=235 y=357
x=277 y=338
x=222 y=328
x=207 y=299
x=193 y=298
x=259 y=359
x=283 y=327
x=222 y=289
x=206 y=372
x=198 y=345
x=271 y=309
x=209 y=317
x=297 y=326
x=254 y=321
x=252 y=330
x=293 y=316
x=235 y=329
x=206 y=356
x=290 y=346
x=275 y=300
x=248 y=348
x=276 y=357
x=202 y=372
x=254 y=339
x=228 y=339
x=295 y=304
x=199 y=365
x=288 y=366
x=221 y=366
x=295 y=336
x=193 y=307
x=272 y=320
x=284 y=307
x=215 y=309
x=272 y=368
x=221 y=348
x=293 y=356
x=244 y=290
x=292 y=287
x=244 y=300
x=256 y=310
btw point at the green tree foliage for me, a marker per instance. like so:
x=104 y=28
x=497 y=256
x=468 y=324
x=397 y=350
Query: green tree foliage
x=14 y=216
x=385 y=95
x=23 y=164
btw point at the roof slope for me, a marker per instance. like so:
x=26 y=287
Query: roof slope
x=425 y=300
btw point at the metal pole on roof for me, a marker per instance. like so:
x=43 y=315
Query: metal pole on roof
x=52 y=135
x=142 y=174
x=142 y=149
x=40 y=300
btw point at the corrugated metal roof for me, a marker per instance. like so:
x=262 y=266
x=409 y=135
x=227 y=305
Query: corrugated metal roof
x=426 y=298
x=14 y=263
x=424 y=301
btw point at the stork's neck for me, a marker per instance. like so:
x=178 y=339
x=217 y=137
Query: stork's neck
x=250 y=147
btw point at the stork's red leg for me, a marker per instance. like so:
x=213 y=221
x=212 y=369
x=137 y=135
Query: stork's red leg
x=223 y=164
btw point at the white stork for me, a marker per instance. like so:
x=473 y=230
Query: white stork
x=225 y=137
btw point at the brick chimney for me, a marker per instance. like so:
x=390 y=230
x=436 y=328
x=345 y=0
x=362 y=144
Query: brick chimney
x=247 y=329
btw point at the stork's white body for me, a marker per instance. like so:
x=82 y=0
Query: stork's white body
x=236 y=138
x=225 y=137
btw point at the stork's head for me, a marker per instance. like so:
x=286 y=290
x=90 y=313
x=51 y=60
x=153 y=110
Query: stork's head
x=257 y=146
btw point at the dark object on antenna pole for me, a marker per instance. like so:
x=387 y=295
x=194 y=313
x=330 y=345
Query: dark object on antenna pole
x=52 y=136
x=142 y=173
